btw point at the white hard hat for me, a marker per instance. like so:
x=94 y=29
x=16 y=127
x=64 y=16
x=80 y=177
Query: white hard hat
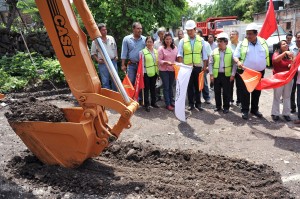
x=222 y=35
x=252 y=26
x=190 y=24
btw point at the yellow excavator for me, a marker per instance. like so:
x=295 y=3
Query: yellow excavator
x=86 y=132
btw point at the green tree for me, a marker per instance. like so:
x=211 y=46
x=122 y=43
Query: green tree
x=120 y=14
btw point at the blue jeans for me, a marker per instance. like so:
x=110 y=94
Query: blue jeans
x=105 y=76
x=167 y=78
x=205 y=91
x=131 y=71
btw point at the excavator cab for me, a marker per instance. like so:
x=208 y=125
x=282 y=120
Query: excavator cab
x=86 y=132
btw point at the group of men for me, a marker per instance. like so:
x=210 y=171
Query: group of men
x=223 y=60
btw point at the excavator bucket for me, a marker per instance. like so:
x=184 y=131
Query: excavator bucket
x=2 y=96
x=66 y=143
x=86 y=132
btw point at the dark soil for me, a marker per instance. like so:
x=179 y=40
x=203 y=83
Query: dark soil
x=31 y=109
x=136 y=170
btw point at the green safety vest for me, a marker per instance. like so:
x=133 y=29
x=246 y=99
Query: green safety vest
x=244 y=48
x=192 y=56
x=227 y=62
x=150 y=65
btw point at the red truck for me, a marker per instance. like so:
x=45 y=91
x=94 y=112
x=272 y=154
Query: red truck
x=214 y=25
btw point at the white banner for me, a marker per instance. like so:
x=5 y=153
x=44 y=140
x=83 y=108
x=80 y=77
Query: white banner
x=182 y=82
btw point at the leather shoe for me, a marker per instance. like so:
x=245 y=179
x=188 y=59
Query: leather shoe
x=297 y=121
x=154 y=106
x=245 y=116
x=170 y=108
x=257 y=114
x=147 y=108
x=192 y=107
x=217 y=109
x=287 y=118
x=199 y=107
x=207 y=102
x=275 y=117
x=225 y=111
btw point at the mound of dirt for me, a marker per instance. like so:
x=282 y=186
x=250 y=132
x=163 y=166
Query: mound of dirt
x=31 y=109
x=139 y=170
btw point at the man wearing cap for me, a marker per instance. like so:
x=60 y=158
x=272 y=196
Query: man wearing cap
x=252 y=53
x=190 y=52
x=222 y=72
x=131 y=46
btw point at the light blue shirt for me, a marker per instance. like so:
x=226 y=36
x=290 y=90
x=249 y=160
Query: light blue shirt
x=208 y=48
x=131 y=48
x=180 y=48
x=255 y=57
x=294 y=49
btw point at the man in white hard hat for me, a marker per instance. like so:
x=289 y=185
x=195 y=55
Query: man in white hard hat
x=191 y=52
x=222 y=72
x=252 y=53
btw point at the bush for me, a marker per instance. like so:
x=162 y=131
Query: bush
x=18 y=71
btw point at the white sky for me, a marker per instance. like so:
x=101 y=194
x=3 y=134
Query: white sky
x=194 y=2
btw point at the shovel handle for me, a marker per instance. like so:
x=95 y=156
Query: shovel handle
x=87 y=18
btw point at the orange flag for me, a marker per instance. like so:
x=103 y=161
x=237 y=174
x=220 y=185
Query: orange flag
x=270 y=23
x=128 y=86
x=176 y=69
x=201 y=80
x=251 y=78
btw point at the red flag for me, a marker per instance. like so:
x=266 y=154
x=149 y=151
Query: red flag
x=128 y=86
x=270 y=23
x=280 y=79
x=139 y=80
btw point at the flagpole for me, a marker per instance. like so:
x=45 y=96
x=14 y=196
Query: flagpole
x=143 y=96
x=277 y=29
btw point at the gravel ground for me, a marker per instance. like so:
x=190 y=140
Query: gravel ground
x=212 y=155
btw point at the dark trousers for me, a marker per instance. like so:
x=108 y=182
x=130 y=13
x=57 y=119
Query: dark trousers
x=149 y=86
x=298 y=100
x=193 y=87
x=254 y=98
x=238 y=84
x=222 y=82
x=293 y=93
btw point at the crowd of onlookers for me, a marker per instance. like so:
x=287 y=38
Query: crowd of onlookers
x=222 y=57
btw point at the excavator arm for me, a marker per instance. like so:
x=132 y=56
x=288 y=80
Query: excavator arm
x=87 y=131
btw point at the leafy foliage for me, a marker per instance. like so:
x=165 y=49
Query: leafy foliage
x=244 y=9
x=18 y=71
x=120 y=14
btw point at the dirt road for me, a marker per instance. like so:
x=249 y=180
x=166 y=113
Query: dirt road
x=212 y=155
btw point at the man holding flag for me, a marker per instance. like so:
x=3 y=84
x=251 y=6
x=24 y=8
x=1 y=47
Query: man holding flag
x=252 y=53
x=190 y=52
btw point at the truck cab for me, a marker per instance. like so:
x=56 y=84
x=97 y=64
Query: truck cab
x=214 y=25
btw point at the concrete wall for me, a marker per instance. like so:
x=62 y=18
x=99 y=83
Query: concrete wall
x=284 y=17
